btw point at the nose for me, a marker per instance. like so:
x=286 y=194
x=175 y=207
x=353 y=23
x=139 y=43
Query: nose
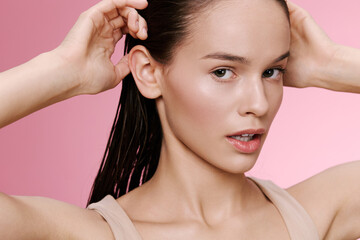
x=253 y=98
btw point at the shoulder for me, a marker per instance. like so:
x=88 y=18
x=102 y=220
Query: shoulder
x=332 y=199
x=45 y=218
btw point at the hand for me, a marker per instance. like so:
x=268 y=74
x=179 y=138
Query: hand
x=311 y=49
x=88 y=47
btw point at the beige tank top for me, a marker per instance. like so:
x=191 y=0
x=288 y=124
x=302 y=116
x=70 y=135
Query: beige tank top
x=299 y=224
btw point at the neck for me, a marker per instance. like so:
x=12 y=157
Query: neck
x=196 y=189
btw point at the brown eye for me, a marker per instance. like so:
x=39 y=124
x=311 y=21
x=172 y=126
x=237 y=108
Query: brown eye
x=272 y=73
x=223 y=73
x=220 y=73
x=268 y=73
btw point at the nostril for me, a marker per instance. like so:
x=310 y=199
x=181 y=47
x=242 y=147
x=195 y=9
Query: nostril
x=250 y=113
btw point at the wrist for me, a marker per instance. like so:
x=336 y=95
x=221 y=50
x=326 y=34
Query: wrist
x=324 y=72
x=341 y=70
x=65 y=75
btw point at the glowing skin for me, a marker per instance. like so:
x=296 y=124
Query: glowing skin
x=223 y=80
x=199 y=109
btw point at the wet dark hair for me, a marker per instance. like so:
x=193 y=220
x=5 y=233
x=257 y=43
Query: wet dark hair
x=133 y=149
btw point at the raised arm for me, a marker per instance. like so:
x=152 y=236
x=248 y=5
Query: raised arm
x=332 y=197
x=23 y=218
x=316 y=61
x=80 y=65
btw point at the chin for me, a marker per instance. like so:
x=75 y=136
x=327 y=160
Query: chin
x=239 y=164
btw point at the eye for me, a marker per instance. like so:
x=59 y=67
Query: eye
x=273 y=73
x=223 y=73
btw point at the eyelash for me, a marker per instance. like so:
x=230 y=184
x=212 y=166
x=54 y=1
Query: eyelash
x=281 y=72
x=220 y=79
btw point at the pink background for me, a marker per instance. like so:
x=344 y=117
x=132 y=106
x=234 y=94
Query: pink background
x=56 y=152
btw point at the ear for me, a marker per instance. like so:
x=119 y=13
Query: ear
x=145 y=72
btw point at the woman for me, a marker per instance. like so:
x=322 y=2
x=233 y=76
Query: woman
x=198 y=190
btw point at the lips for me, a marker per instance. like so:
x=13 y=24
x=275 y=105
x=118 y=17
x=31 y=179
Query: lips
x=246 y=141
x=249 y=131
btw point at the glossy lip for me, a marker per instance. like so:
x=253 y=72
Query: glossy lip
x=247 y=147
x=248 y=131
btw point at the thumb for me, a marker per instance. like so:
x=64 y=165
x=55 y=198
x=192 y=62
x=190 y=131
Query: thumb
x=122 y=68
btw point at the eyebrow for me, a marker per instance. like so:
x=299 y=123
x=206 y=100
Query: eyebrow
x=234 y=58
x=282 y=57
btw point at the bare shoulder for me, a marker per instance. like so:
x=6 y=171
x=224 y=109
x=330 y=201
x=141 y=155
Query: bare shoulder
x=332 y=198
x=23 y=217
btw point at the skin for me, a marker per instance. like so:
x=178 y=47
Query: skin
x=192 y=172
x=196 y=163
x=80 y=65
x=316 y=61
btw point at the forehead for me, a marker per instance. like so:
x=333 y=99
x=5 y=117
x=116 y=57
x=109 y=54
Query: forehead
x=242 y=27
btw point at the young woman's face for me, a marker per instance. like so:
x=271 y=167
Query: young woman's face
x=225 y=81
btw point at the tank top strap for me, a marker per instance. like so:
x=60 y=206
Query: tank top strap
x=119 y=222
x=298 y=222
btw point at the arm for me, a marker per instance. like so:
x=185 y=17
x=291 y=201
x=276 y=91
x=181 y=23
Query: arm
x=316 y=61
x=34 y=85
x=80 y=65
x=342 y=72
x=13 y=224
x=43 y=218
x=332 y=198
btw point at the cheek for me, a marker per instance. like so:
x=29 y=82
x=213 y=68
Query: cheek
x=274 y=93
x=191 y=101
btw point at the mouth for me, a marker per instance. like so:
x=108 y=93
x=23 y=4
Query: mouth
x=247 y=141
x=245 y=137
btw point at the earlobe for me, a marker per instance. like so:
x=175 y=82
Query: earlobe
x=143 y=68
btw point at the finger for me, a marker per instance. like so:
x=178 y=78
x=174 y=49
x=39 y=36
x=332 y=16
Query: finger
x=138 y=4
x=127 y=12
x=293 y=8
x=132 y=20
x=117 y=22
x=122 y=67
x=136 y=24
x=117 y=35
x=112 y=14
x=142 y=33
x=126 y=30
x=107 y=6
